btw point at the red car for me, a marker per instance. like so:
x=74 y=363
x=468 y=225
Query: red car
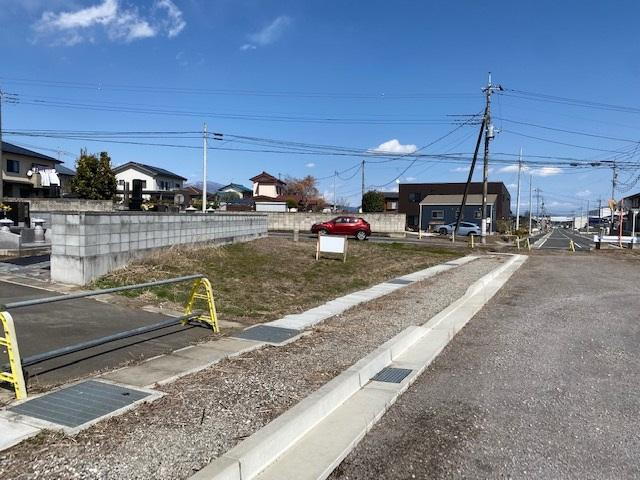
x=355 y=226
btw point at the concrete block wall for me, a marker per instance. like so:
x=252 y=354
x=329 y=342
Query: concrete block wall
x=85 y=246
x=381 y=223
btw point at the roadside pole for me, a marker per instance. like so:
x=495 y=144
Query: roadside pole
x=587 y=217
x=518 y=194
x=204 y=170
x=530 y=199
x=488 y=136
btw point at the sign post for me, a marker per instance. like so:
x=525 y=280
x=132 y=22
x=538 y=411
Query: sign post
x=333 y=244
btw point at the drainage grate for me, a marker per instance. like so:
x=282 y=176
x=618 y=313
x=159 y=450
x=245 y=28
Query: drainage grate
x=266 y=333
x=78 y=404
x=391 y=375
x=400 y=281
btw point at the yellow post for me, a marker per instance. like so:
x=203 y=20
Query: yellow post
x=528 y=244
x=472 y=243
x=518 y=243
x=572 y=247
x=10 y=342
x=209 y=315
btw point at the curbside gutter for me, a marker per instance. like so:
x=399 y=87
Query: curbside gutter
x=297 y=445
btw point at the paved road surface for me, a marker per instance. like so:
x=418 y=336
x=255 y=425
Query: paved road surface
x=560 y=238
x=542 y=383
x=46 y=327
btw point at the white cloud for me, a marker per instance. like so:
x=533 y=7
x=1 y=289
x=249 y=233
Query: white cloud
x=583 y=193
x=269 y=34
x=538 y=172
x=546 y=171
x=460 y=169
x=310 y=165
x=511 y=185
x=410 y=179
x=118 y=22
x=394 y=146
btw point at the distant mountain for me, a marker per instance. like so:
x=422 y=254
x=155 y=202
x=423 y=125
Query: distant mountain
x=211 y=186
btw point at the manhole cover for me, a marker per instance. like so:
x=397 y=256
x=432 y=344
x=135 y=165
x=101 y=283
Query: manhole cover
x=391 y=375
x=266 y=333
x=78 y=404
x=400 y=281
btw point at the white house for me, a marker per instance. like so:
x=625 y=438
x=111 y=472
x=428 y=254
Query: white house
x=268 y=193
x=155 y=180
x=236 y=189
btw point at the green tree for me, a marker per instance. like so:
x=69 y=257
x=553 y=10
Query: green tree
x=373 y=201
x=94 y=178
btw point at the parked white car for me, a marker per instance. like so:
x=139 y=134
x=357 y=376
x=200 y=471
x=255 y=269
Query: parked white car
x=466 y=228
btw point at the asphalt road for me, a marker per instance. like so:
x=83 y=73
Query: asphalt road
x=46 y=327
x=560 y=239
x=542 y=383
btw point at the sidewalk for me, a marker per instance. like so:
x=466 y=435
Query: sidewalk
x=205 y=414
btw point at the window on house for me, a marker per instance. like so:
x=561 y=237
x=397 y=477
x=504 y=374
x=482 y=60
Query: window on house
x=13 y=166
x=477 y=213
x=414 y=197
x=437 y=214
x=177 y=185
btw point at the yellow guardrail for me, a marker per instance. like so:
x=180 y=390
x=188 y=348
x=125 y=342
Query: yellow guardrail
x=200 y=305
x=209 y=316
x=15 y=377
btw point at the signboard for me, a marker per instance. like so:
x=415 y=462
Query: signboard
x=332 y=244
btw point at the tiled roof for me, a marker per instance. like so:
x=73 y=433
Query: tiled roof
x=15 y=149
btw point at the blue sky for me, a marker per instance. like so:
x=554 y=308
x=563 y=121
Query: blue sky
x=347 y=74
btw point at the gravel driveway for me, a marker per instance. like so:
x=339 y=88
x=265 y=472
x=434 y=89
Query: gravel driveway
x=205 y=414
x=542 y=383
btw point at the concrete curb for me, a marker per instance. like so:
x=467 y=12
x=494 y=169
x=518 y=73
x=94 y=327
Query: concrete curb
x=258 y=454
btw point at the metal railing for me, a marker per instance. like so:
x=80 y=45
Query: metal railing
x=17 y=365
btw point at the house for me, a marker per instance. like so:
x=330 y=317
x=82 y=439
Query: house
x=266 y=185
x=411 y=194
x=391 y=201
x=66 y=177
x=236 y=189
x=268 y=193
x=437 y=210
x=155 y=181
x=26 y=173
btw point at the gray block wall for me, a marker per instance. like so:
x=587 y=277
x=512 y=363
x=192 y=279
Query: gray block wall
x=392 y=224
x=85 y=246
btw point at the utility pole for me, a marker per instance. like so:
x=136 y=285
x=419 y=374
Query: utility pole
x=530 y=199
x=518 y=191
x=335 y=174
x=362 y=198
x=587 y=217
x=204 y=169
x=614 y=177
x=488 y=136
x=537 y=190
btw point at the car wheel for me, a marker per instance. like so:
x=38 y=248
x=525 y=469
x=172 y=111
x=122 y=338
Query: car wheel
x=443 y=231
x=361 y=235
x=322 y=231
x=471 y=234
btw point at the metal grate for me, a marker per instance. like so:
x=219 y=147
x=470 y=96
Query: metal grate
x=78 y=404
x=400 y=281
x=266 y=333
x=391 y=375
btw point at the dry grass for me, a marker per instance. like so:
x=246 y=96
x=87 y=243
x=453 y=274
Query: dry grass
x=271 y=277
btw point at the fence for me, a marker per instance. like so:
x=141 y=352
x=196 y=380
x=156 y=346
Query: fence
x=13 y=373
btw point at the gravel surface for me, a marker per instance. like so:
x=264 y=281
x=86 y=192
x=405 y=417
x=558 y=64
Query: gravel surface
x=542 y=383
x=205 y=414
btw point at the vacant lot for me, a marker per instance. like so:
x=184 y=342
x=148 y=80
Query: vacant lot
x=271 y=277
